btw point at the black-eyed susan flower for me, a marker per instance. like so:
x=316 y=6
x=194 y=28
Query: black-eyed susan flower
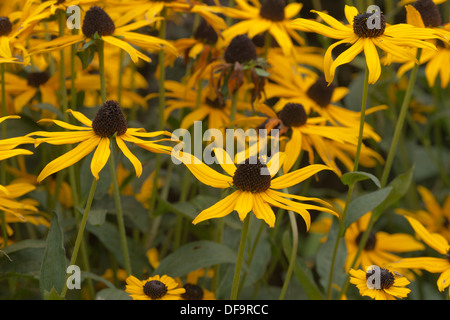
x=308 y=134
x=431 y=264
x=379 y=283
x=397 y=40
x=272 y=16
x=154 y=288
x=97 y=23
x=109 y=122
x=434 y=217
x=255 y=188
x=425 y=14
x=381 y=248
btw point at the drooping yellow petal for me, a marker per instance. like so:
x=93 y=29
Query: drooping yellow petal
x=262 y=210
x=81 y=117
x=292 y=178
x=66 y=125
x=220 y=209
x=372 y=61
x=347 y=56
x=434 y=240
x=69 y=158
x=292 y=150
x=101 y=156
x=134 y=54
x=133 y=159
x=244 y=204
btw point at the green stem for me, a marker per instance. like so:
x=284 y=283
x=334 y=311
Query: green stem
x=362 y=119
x=352 y=186
x=400 y=121
x=81 y=228
x=397 y=134
x=240 y=259
x=101 y=63
x=62 y=67
x=292 y=259
x=119 y=212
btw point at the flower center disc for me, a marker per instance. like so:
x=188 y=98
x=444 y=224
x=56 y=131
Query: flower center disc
x=293 y=115
x=5 y=26
x=241 y=49
x=249 y=176
x=370 y=243
x=193 y=292
x=430 y=13
x=273 y=10
x=155 y=289
x=321 y=92
x=386 y=278
x=109 y=120
x=97 y=20
x=205 y=32
x=366 y=28
x=35 y=79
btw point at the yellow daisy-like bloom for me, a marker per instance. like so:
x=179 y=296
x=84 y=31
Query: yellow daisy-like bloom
x=19 y=211
x=435 y=61
x=8 y=146
x=435 y=218
x=380 y=247
x=391 y=284
x=109 y=122
x=255 y=187
x=272 y=16
x=397 y=40
x=98 y=23
x=430 y=264
x=154 y=288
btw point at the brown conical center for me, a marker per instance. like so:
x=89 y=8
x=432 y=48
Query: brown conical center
x=273 y=10
x=193 y=292
x=97 y=20
x=369 y=28
x=110 y=120
x=293 y=115
x=155 y=289
x=321 y=92
x=250 y=176
x=241 y=49
x=429 y=13
x=5 y=26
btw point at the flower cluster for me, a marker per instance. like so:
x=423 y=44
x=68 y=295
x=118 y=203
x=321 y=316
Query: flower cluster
x=248 y=146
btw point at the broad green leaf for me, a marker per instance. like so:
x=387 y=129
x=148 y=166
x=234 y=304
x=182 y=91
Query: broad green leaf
x=52 y=295
x=194 y=256
x=53 y=267
x=365 y=203
x=96 y=217
x=325 y=255
x=112 y=294
x=400 y=186
x=24 y=258
x=351 y=178
x=302 y=272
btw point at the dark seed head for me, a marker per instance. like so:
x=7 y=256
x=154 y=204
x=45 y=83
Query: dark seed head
x=386 y=277
x=369 y=28
x=155 y=289
x=273 y=10
x=370 y=243
x=429 y=12
x=206 y=33
x=109 y=120
x=35 y=79
x=241 y=49
x=97 y=20
x=193 y=292
x=251 y=176
x=5 y=26
x=321 y=92
x=293 y=115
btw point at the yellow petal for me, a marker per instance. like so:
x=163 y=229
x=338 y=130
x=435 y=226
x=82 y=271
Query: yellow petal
x=244 y=204
x=292 y=178
x=372 y=61
x=81 y=117
x=219 y=210
x=225 y=161
x=69 y=158
x=292 y=151
x=101 y=156
x=133 y=159
x=262 y=210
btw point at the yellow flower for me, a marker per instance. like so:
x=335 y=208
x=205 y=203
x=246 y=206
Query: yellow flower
x=430 y=264
x=254 y=189
x=109 y=122
x=98 y=23
x=434 y=218
x=272 y=16
x=154 y=288
x=397 y=40
x=391 y=284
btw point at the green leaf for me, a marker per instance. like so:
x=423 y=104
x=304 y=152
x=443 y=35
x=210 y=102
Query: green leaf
x=53 y=267
x=52 y=295
x=302 y=272
x=351 y=178
x=96 y=217
x=365 y=203
x=112 y=294
x=23 y=258
x=400 y=186
x=194 y=256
